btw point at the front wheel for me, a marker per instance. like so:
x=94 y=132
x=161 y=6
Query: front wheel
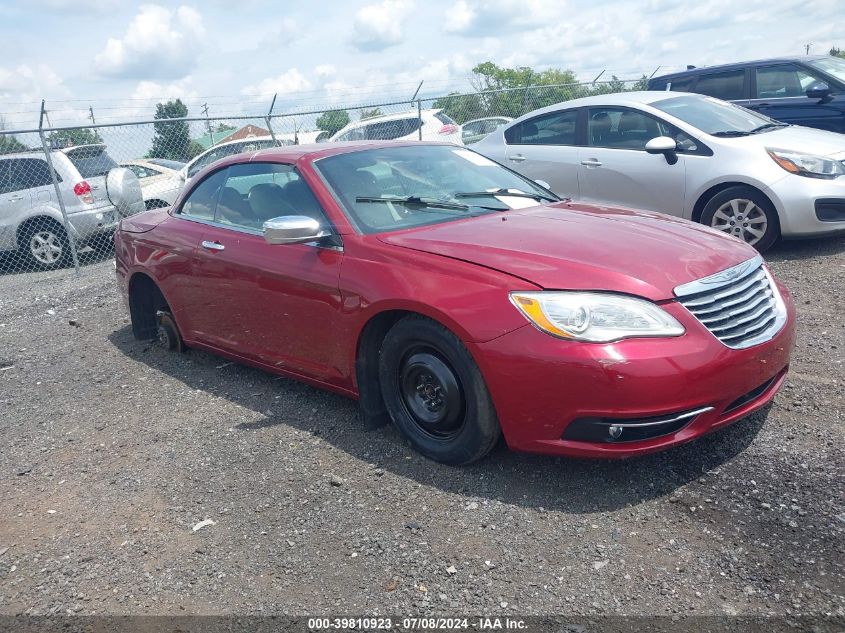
x=744 y=213
x=435 y=393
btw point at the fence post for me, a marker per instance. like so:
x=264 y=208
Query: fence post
x=269 y=123
x=70 y=237
x=419 y=115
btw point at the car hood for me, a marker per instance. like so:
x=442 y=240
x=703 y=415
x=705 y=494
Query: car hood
x=803 y=139
x=572 y=246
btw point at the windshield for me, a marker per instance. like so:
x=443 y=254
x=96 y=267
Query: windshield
x=833 y=66
x=399 y=187
x=713 y=116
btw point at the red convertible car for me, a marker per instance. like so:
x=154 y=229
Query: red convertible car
x=461 y=301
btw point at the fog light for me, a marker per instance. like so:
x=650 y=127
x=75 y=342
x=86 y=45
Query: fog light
x=615 y=431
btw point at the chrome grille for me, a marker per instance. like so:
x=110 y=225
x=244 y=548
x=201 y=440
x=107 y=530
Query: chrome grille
x=741 y=306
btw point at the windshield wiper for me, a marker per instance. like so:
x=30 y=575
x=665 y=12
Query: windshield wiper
x=416 y=201
x=504 y=192
x=768 y=126
x=726 y=133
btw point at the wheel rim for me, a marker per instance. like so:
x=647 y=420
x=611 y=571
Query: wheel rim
x=741 y=218
x=46 y=247
x=431 y=394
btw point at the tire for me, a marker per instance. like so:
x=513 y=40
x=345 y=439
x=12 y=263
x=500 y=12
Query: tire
x=155 y=204
x=435 y=393
x=45 y=244
x=745 y=213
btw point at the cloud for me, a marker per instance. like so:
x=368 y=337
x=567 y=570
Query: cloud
x=160 y=43
x=160 y=93
x=288 y=82
x=379 y=26
x=478 y=18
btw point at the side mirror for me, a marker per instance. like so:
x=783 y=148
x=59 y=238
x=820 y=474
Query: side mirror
x=292 y=229
x=544 y=184
x=818 y=90
x=663 y=145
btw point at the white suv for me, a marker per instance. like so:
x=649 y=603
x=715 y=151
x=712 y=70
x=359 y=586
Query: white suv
x=436 y=126
x=95 y=191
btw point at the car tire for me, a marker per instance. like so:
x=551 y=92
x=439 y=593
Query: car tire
x=435 y=393
x=746 y=214
x=45 y=244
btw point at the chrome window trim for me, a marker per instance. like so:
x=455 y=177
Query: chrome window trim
x=258 y=233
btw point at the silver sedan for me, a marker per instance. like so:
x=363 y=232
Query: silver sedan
x=685 y=155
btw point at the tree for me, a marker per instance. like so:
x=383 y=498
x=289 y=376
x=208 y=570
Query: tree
x=78 y=136
x=461 y=108
x=837 y=52
x=333 y=120
x=9 y=143
x=171 y=139
x=369 y=114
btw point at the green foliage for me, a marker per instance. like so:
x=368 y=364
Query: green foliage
x=514 y=91
x=172 y=139
x=80 y=136
x=369 y=114
x=837 y=52
x=333 y=120
x=9 y=144
x=224 y=127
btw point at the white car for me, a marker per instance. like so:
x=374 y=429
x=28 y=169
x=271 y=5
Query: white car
x=686 y=155
x=405 y=126
x=159 y=179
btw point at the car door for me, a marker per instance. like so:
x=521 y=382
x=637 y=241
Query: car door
x=276 y=304
x=780 y=92
x=615 y=168
x=15 y=203
x=545 y=148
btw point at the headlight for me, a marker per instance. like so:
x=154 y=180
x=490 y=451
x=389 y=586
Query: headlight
x=807 y=164
x=594 y=316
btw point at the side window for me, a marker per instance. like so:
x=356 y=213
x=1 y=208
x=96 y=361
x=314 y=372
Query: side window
x=783 y=80
x=256 y=192
x=5 y=177
x=215 y=155
x=682 y=84
x=557 y=128
x=202 y=201
x=618 y=128
x=728 y=85
x=28 y=173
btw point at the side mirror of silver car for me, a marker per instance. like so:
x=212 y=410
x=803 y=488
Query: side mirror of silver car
x=663 y=145
x=292 y=229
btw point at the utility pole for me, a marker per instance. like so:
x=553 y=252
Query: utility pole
x=208 y=123
x=91 y=115
x=807 y=48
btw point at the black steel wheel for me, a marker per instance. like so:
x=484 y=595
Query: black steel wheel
x=435 y=393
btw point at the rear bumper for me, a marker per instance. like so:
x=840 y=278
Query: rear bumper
x=541 y=385
x=88 y=224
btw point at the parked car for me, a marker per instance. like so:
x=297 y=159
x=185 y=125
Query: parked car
x=475 y=130
x=159 y=183
x=405 y=126
x=460 y=300
x=96 y=193
x=687 y=155
x=806 y=91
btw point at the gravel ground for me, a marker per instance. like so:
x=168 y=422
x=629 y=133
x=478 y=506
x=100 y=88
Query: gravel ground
x=114 y=450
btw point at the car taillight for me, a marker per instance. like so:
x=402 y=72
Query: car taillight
x=448 y=129
x=83 y=190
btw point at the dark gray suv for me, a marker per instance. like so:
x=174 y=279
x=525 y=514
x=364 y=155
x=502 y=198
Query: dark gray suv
x=807 y=91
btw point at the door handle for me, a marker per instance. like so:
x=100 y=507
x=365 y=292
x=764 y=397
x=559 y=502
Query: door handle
x=213 y=246
x=591 y=162
x=517 y=158
x=15 y=198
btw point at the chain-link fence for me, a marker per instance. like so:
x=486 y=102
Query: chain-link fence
x=64 y=190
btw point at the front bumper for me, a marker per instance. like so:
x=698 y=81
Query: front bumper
x=798 y=200
x=540 y=385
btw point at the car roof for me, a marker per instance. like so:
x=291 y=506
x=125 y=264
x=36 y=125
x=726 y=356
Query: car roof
x=631 y=99
x=733 y=65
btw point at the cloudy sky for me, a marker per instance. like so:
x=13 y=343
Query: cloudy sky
x=120 y=57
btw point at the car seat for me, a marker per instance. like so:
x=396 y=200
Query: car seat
x=267 y=202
